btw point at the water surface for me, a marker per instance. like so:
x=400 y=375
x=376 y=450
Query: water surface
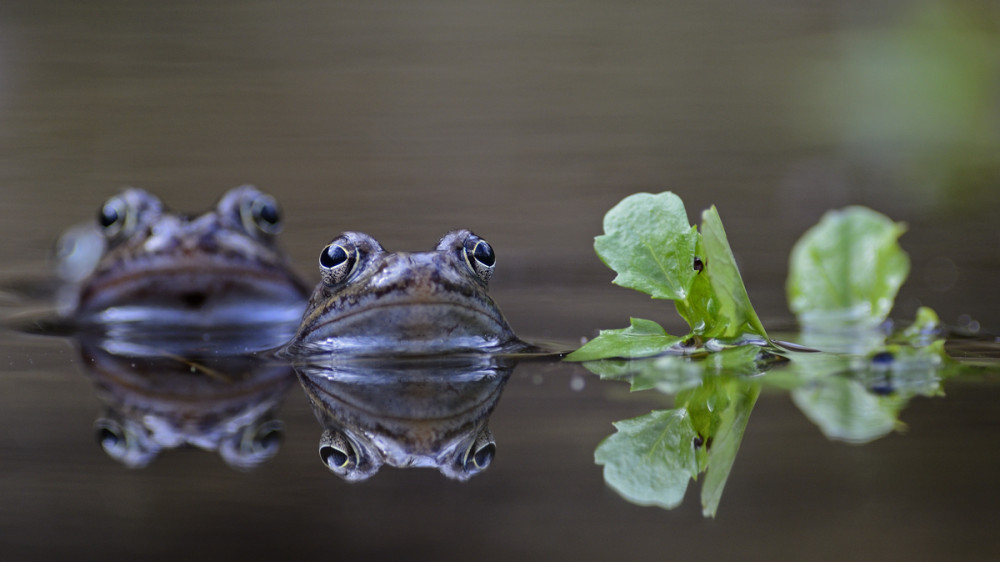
x=524 y=123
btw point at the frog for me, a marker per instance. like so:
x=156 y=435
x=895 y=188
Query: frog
x=142 y=263
x=374 y=302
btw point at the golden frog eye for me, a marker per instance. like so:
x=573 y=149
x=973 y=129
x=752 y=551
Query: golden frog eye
x=336 y=452
x=480 y=257
x=480 y=453
x=336 y=263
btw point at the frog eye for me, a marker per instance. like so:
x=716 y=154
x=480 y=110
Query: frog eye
x=110 y=435
x=252 y=445
x=480 y=454
x=480 y=257
x=114 y=216
x=263 y=213
x=123 y=214
x=336 y=263
x=336 y=452
x=124 y=444
x=334 y=457
x=484 y=455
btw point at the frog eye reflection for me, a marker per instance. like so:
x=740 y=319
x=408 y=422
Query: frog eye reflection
x=110 y=436
x=484 y=456
x=337 y=452
x=334 y=457
x=480 y=257
x=480 y=454
x=113 y=216
x=262 y=213
x=336 y=263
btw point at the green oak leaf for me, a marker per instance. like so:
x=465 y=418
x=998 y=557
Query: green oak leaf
x=847 y=269
x=735 y=315
x=643 y=338
x=651 y=458
x=924 y=328
x=649 y=242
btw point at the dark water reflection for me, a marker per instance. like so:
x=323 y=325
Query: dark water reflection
x=156 y=400
x=416 y=413
x=542 y=484
x=524 y=122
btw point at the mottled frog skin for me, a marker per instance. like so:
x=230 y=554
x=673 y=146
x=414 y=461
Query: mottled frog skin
x=142 y=263
x=371 y=301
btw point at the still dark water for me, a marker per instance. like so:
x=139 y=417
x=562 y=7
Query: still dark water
x=524 y=122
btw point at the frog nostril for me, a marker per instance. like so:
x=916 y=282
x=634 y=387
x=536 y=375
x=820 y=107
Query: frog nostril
x=194 y=299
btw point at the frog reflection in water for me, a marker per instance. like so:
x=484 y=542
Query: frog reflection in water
x=406 y=413
x=156 y=402
x=373 y=302
x=143 y=263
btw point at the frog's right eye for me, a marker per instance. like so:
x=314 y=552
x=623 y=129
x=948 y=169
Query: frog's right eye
x=114 y=216
x=335 y=458
x=336 y=262
x=480 y=453
x=127 y=445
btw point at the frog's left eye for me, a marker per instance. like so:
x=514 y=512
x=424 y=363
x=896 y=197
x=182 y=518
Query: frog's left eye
x=480 y=257
x=336 y=262
x=263 y=213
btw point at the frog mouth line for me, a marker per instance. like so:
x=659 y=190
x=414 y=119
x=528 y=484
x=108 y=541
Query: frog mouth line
x=473 y=409
x=479 y=311
x=195 y=278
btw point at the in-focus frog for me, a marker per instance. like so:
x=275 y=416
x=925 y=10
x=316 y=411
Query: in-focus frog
x=374 y=302
x=141 y=263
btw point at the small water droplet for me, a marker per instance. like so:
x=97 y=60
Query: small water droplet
x=577 y=383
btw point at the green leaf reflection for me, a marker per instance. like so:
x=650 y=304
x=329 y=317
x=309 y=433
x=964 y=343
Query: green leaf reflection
x=859 y=399
x=852 y=398
x=651 y=459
